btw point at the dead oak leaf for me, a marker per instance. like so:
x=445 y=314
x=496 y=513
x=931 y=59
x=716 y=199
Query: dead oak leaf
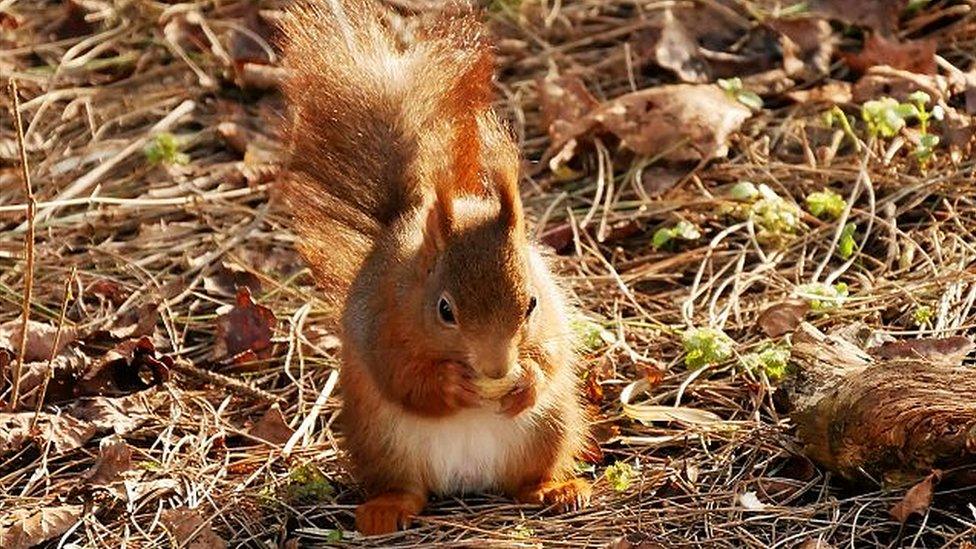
x=951 y=350
x=683 y=122
x=114 y=458
x=807 y=44
x=120 y=415
x=272 y=427
x=130 y=367
x=247 y=326
x=23 y=528
x=880 y=15
x=782 y=318
x=190 y=529
x=916 y=56
x=563 y=102
x=673 y=47
x=917 y=500
x=40 y=339
x=64 y=432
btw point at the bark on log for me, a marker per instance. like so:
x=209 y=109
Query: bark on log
x=892 y=414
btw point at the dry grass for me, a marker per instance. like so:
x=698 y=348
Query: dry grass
x=94 y=95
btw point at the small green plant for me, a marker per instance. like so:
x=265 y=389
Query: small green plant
x=774 y=215
x=308 y=484
x=704 y=346
x=922 y=315
x=522 y=531
x=620 y=476
x=682 y=230
x=886 y=117
x=835 y=114
x=771 y=359
x=733 y=88
x=824 y=297
x=826 y=204
x=591 y=335
x=744 y=191
x=846 y=244
x=164 y=148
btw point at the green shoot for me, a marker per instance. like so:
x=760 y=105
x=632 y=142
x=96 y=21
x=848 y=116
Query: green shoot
x=744 y=191
x=620 y=476
x=733 y=88
x=704 y=346
x=164 y=148
x=824 y=297
x=846 y=244
x=826 y=203
x=923 y=316
x=683 y=230
x=773 y=360
x=308 y=483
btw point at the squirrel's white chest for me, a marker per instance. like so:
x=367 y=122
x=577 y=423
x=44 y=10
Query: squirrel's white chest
x=467 y=452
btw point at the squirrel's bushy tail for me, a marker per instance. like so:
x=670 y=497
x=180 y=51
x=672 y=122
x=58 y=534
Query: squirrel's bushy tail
x=372 y=123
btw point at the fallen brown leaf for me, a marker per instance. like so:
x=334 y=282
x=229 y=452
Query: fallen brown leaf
x=916 y=56
x=950 y=349
x=782 y=318
x=190 y=530
x=23 y=528
x=40 y=339
x=673 y=47
x=114 y=458
x=120 y=414
x=563 y=102
x=108 y=289
x=272 y=427
x=682 y=122
x=71 y=23
x=917 y=500
x=130 y=367
x=64 y=432
x=807 y=44
x=880 y=15
x=247 y=326
x=227 y=278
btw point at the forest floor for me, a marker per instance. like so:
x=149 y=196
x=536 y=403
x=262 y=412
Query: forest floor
x=691 y=163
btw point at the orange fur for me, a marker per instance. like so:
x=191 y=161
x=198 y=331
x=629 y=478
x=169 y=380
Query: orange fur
x=404 y=188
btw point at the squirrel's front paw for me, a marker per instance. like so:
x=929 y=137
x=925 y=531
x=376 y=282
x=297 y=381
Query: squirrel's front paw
x=388 y=513
x=521 y=397
x=457 y=388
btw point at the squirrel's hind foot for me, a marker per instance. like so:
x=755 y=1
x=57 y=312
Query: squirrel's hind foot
x=568 y=495
x=388 y=513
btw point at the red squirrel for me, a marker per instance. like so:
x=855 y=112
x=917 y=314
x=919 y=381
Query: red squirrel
x=403 y=184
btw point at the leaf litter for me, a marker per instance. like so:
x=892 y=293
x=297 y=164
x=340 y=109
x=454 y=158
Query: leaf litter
x=162 y=252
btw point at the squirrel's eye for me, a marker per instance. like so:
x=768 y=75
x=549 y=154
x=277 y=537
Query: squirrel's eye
x=532 y=303
x=445 y=311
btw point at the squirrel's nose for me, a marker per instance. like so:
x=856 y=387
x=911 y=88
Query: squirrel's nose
x=498 y=362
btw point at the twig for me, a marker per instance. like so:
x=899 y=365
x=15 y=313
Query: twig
x=17 y=367
x=234 y=385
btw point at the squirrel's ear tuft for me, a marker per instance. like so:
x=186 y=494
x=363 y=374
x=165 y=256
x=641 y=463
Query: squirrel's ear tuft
x=510 y=211
x=440 y=219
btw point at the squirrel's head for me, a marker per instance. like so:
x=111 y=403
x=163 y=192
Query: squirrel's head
x=478 y=300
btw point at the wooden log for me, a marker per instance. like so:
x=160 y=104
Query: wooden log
x=892 y=414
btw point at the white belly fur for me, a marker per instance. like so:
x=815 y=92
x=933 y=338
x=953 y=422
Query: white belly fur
x=467 y=452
